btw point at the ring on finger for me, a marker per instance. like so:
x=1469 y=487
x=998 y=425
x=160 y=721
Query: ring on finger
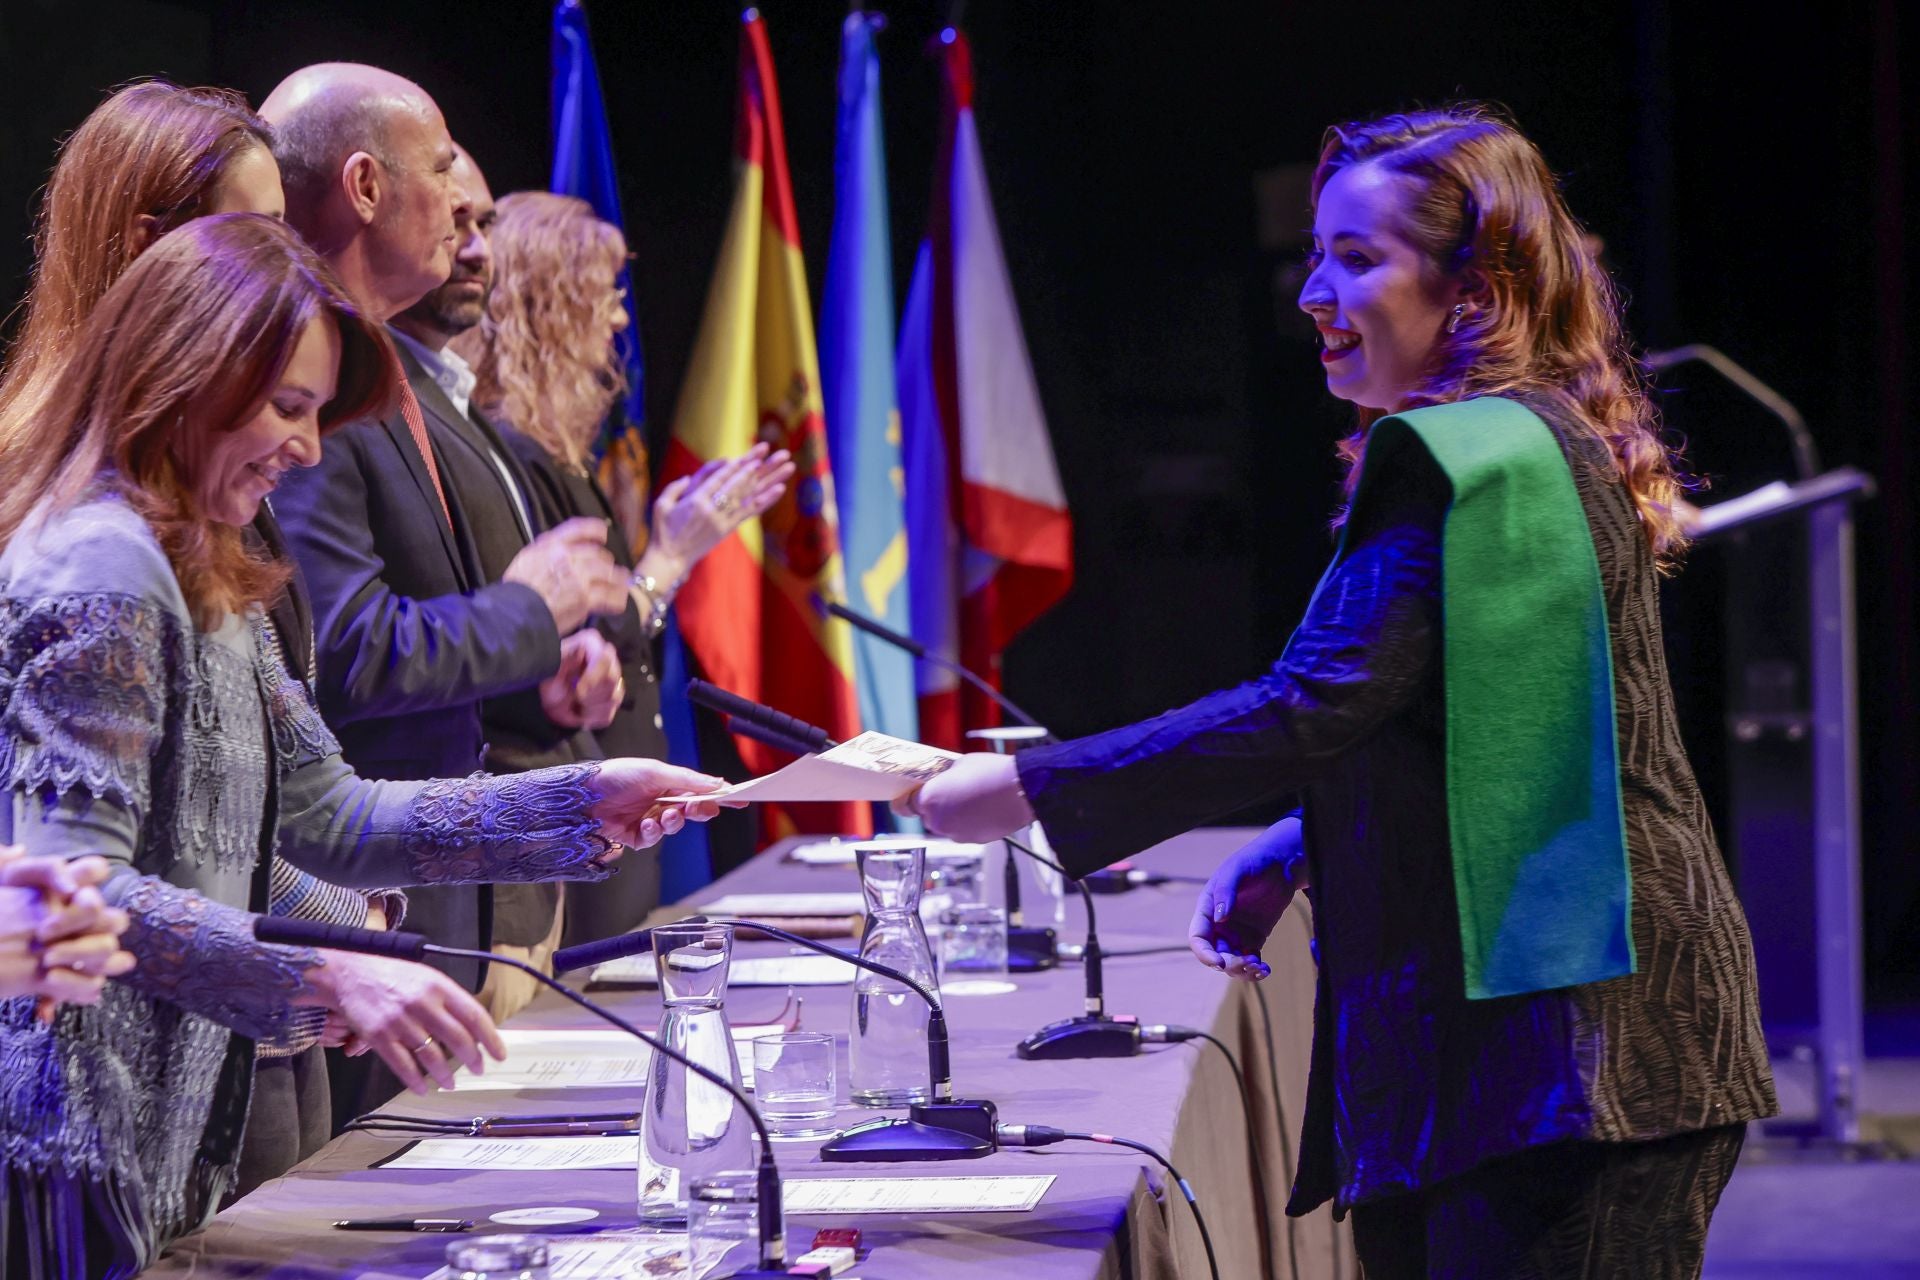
x=722 y=502
x=422 y=1047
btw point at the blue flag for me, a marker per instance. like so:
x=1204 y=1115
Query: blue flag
x=583 y=160
x=583 y=166
x=857 y=381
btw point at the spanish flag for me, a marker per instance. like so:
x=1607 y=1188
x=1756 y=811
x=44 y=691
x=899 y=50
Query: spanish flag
x=747 y=611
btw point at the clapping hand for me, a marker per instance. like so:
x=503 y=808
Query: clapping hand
x=570 y=568
x=695 y=513
x=1244 y=899
x=589 y=688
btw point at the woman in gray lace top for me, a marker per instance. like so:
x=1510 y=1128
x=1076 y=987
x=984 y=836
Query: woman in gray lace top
x=143 y=717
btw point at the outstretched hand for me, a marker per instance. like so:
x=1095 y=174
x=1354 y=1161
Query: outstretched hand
x=630 y=811
x=978 y=799
x=1244 y=899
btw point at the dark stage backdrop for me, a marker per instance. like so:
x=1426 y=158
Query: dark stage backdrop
x=1148 y=163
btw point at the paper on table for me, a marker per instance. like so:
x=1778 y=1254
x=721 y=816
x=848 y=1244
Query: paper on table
x=772 y=906
x=617 y=1151
x=586 y=1059
x=1016 y=1193
x=871 y=766
x=753 y=971
x=612 y=1256
x=558 y=1059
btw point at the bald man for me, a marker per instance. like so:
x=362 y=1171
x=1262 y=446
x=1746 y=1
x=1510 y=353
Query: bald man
x=418 y=622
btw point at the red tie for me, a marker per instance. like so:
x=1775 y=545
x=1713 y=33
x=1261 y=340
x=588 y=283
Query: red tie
x=417 y=424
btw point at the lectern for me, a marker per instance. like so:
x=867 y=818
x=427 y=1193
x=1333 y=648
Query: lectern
x=1810 y=824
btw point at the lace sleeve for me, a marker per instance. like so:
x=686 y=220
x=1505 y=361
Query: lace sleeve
x=484 y=829
x=83 y=693
x=522 y=827
x=300 y=734
x=202 y=956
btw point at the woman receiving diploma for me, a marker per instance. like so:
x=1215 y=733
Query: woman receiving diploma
x=1537 y=1032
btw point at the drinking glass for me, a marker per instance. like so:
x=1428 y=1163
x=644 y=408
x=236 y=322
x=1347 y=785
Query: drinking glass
x=973 y=941
x=793 y=1081
x=513 y=1257
x=723 y=1223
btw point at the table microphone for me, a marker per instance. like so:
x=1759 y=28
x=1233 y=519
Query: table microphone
x=1093 y=1034
x=1121 y=877
x=918 y=650
x=415 y=946
x=944 y=1129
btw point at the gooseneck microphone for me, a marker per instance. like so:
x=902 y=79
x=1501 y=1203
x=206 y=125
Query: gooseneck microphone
x=944 y=1129
x=1093 y=1034
x=414 y=946
x=883 y=632
x=778 y=741
x=759 y=715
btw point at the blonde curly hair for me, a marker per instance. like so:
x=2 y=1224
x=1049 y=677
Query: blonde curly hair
x=543 y=355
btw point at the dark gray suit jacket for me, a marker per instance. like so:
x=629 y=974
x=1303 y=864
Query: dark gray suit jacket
x=410 y=637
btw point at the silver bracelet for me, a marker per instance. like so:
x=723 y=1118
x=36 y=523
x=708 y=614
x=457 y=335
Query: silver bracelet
x=656 y=619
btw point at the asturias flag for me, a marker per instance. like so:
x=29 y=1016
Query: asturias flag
x=747 y=611
x=990 y=543
x=583 y=167
x=856 y=371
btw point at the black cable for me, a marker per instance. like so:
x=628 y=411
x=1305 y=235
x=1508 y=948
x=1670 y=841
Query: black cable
x=1040 y=1135
x=1253 y=1146
x=1193 y=1201
x=1143 y=951
x=1280 y=1119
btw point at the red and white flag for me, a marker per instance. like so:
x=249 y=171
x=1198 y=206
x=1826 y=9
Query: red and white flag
x=990 y=542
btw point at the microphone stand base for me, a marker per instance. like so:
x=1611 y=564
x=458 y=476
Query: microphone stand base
x=902 y=1142
x=1031 y=950
x=1082 y=1037
x=976 y=1118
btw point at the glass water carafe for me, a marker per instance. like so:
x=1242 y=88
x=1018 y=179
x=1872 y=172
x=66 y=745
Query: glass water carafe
x=690 y=1127
x=887 y=1047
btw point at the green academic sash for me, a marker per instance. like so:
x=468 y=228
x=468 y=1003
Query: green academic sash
x=1533 y=777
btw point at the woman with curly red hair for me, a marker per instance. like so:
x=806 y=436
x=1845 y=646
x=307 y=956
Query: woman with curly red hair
x=1537 y=1032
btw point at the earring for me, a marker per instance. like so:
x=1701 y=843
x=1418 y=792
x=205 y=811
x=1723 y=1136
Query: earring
x=1459 y=309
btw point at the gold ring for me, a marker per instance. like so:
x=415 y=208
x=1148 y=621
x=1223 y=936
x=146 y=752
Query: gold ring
x=422 y=1047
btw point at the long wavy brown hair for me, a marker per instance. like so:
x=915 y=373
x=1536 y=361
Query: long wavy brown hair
x=190 y=341
x=543 y=354
x=151 y=150
x=1545 y=324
